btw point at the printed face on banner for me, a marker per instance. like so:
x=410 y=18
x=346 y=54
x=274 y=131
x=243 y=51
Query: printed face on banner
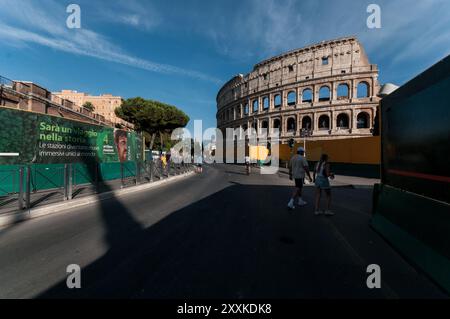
x=121 y=141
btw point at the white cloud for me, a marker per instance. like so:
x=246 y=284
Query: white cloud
x=140 y=15
x=413 y=32
x=27 y=23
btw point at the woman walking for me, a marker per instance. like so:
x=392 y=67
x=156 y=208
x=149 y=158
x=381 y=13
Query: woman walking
x=321 y=174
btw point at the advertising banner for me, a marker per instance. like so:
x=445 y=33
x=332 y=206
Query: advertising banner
x=27 y=138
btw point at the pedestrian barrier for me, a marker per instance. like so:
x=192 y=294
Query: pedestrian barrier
x=28 y=185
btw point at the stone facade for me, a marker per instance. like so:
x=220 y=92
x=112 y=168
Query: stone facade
x=104 y=104
x=329 y=88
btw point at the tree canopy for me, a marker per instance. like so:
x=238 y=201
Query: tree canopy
x=89 y=106
x=151 y=116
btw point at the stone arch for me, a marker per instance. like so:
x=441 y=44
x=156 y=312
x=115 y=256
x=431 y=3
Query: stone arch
x=291 y=124
x=363 y=120
x=265 y=102
x=277 y=100
x=324 y=122
x=343 y=91
x=307 y=95
x=343 y=121
x=265 y=124
x=292 y=98
x=307 y=122
x=255 y=106
x=276 y=124
x=324 y=93
x=363 y=90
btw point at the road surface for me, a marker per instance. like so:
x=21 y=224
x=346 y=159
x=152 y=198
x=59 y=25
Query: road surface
x=220 y=234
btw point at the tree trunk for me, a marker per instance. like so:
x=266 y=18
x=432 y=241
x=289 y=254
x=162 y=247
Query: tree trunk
x=161 y=139
x=152 y=141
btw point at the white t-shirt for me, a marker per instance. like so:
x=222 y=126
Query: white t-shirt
x=297 y=164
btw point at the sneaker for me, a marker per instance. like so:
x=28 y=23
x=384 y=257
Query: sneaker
x=317 y=213
x=301 y=202
x=329 y=213
x=291 y=206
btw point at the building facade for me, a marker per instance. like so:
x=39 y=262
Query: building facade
x=29 y=96
x=326 y=91
x=104 y=104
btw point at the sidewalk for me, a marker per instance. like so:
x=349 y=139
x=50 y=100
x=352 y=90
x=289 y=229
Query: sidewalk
x=52 y=201
x=343 y=181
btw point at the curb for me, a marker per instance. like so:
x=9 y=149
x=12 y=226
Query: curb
x=37 y=212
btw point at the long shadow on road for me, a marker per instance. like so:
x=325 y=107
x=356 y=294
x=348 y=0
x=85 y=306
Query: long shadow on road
x=237 y=243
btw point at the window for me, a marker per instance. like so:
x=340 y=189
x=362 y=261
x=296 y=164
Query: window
x=276 y=124
x=325 y=61
x=291 y=125
x=363 y=120
x=265 y=103
x=292 y=98
x=291 y=68
x=343 y=91
x=306 y=123
x=255 y=106
x=265 y=125
x=246 y=109
x=363 y=90
x=342 y=121
x=265 y=76
x=255 y=126
x=307 y=96
x=324 y=94
x=277 y=100
x=324 y=122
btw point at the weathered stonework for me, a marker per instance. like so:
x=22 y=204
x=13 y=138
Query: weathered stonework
x=276 y=93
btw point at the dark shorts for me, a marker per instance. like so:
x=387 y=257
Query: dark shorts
x=299 y=183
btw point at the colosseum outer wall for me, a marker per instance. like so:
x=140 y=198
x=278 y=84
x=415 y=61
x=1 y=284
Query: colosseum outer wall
x=330 y=89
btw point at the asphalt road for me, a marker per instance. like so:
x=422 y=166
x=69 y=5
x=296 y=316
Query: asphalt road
x=220 y=234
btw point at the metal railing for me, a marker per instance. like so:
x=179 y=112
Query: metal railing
x=30 y=185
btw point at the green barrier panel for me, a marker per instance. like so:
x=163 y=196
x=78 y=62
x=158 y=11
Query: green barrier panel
x=9 y=179
x=47 y=176
x=83 y=174
x=51 y=176
x=418 y=227
x=111 y=171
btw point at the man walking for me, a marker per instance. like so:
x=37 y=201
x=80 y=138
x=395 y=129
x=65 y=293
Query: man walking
x=298 y=168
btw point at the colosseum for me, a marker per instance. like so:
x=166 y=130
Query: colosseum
x=323 y=91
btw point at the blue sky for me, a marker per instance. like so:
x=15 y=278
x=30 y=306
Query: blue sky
x=181 y=52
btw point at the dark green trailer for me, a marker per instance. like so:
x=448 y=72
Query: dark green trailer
x=411 y=205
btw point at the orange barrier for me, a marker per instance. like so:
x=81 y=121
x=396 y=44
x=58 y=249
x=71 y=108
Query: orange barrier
x=258 y=153
x=365 y=150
